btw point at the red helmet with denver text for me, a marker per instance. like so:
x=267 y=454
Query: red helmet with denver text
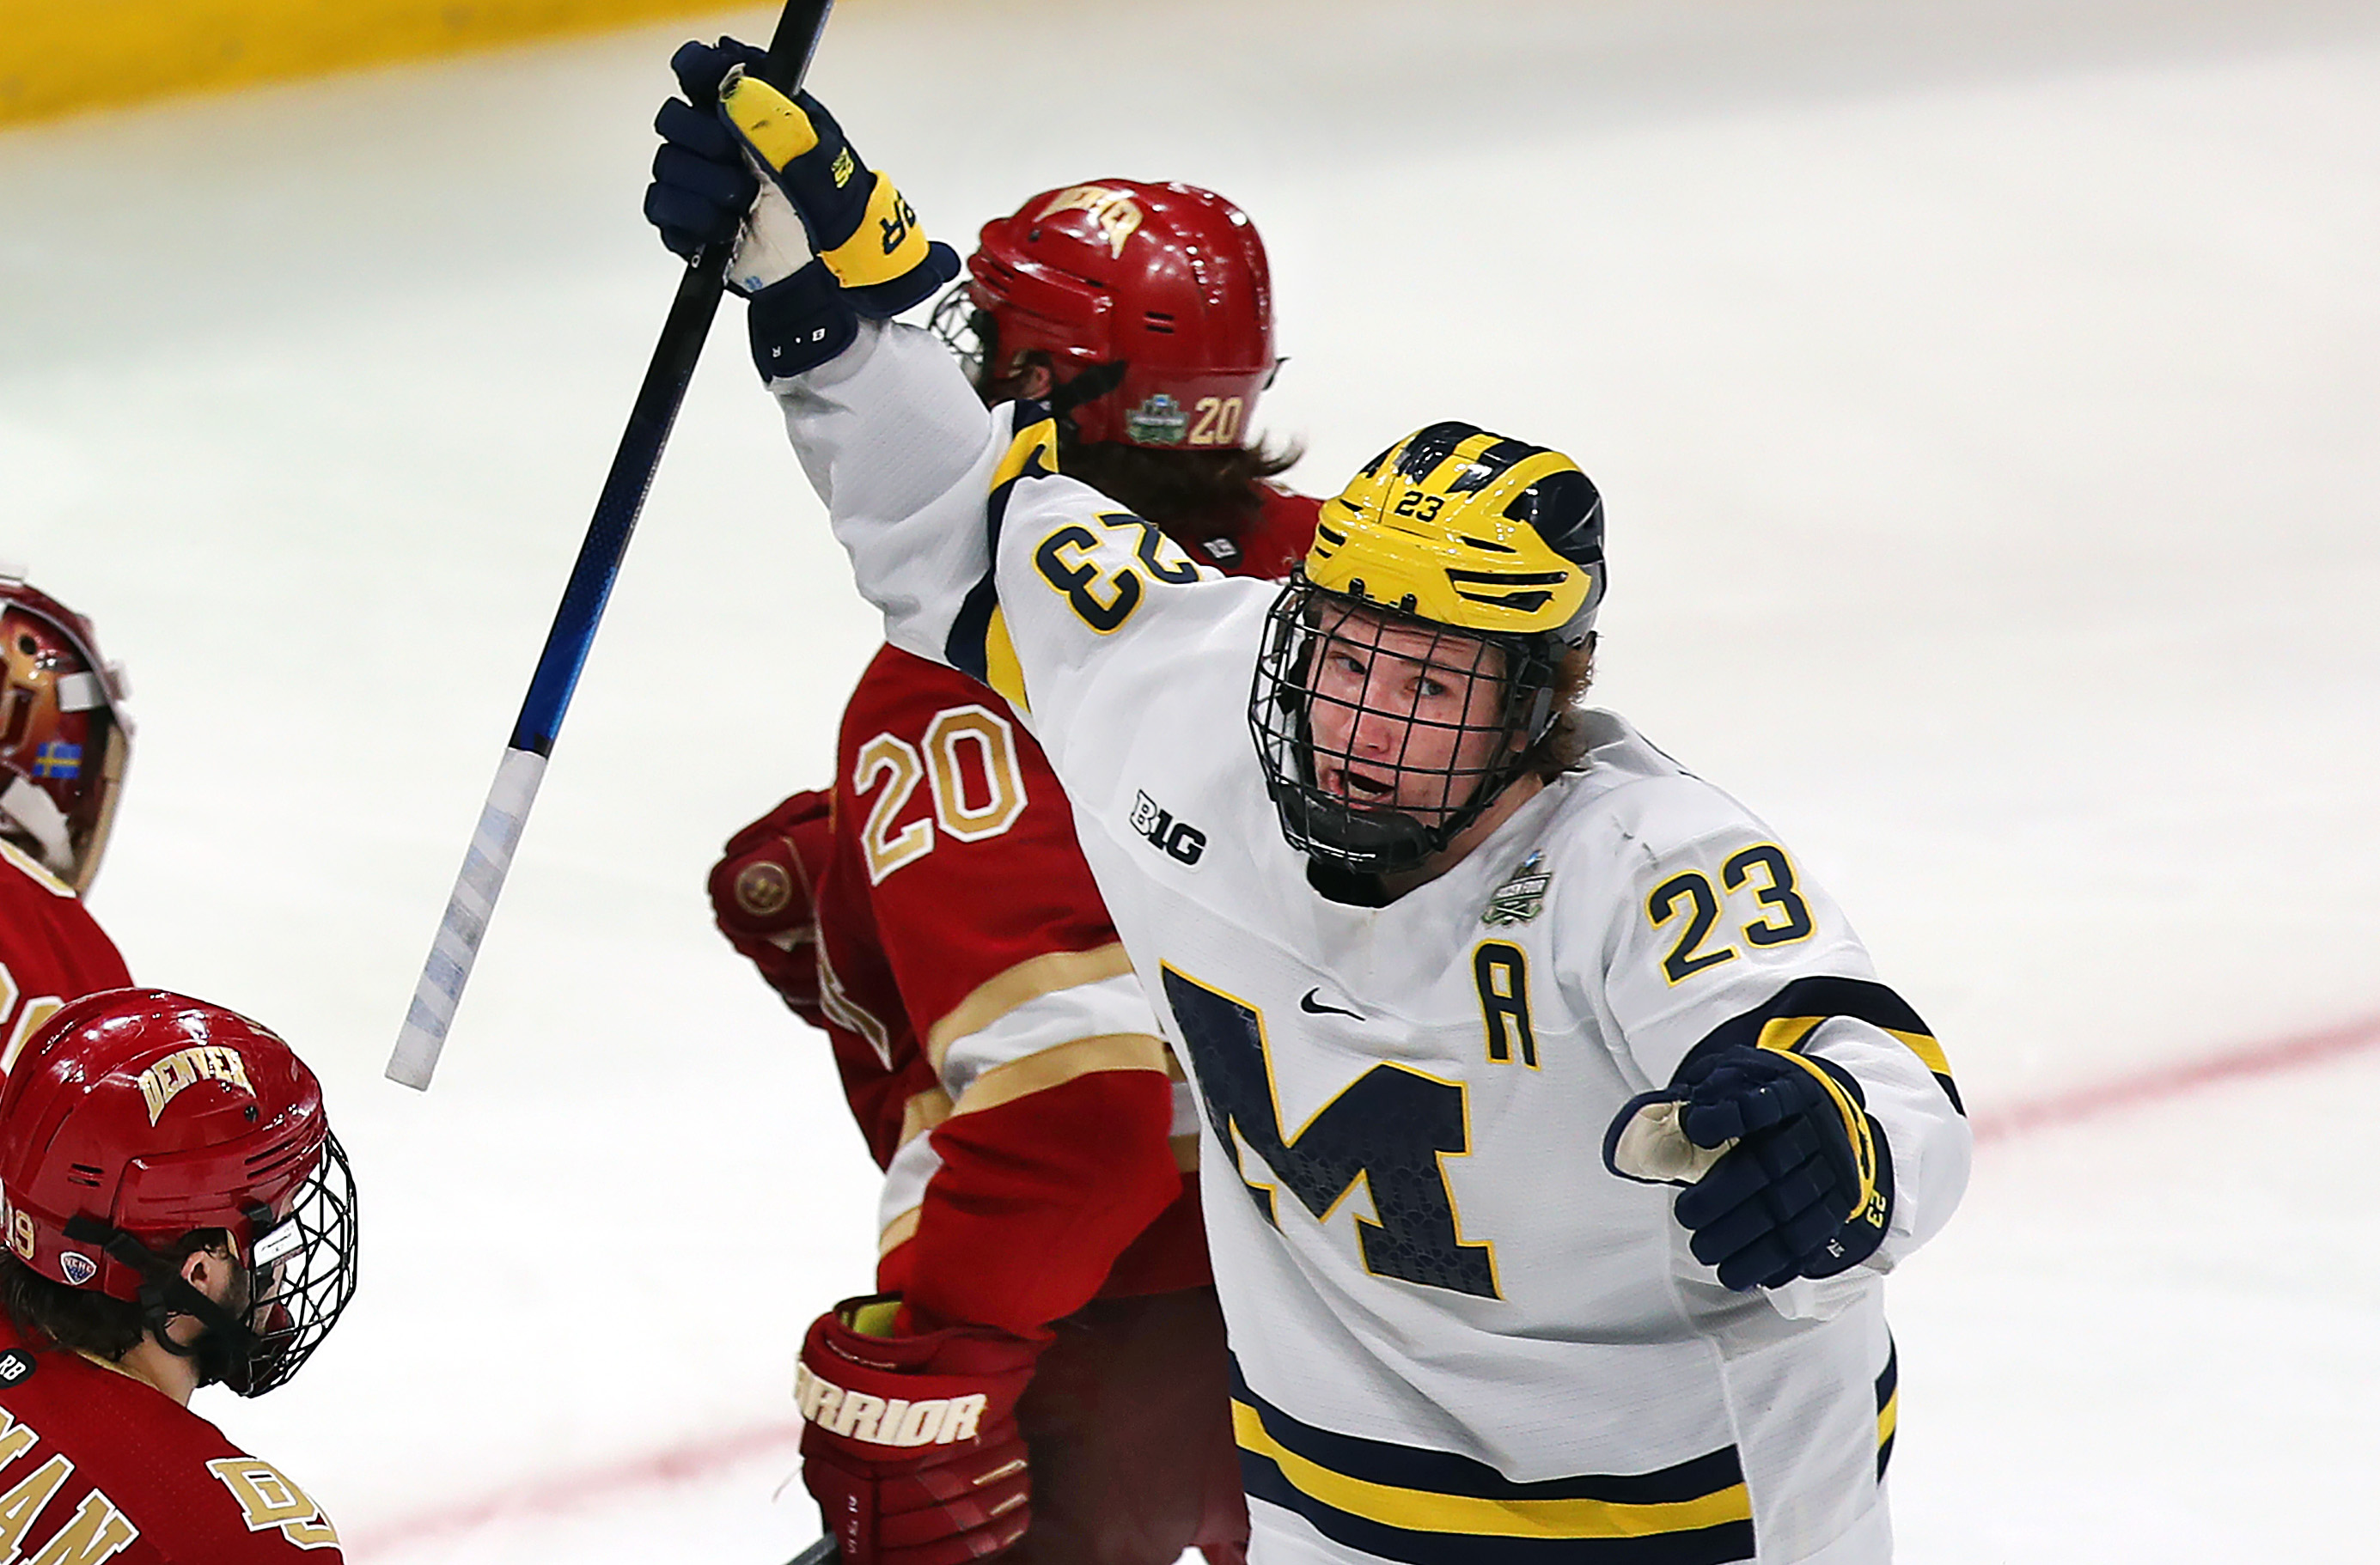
x=63 y=734
x=135 y=1117
x=1153 y=302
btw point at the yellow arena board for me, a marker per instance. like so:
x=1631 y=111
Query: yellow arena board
x=60 y=55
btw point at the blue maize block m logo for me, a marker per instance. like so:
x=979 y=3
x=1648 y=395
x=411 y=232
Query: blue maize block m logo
x=1389 y=1128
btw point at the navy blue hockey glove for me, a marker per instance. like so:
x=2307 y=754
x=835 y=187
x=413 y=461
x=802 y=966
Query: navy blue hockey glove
x=1788 y=1175
x=705 y=192
x=859 y=224
x=701 y=185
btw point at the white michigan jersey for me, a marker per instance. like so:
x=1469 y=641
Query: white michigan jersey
x=1458 y=1337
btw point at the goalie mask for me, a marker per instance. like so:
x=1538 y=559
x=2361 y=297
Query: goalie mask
x=63 y=734
x=136 y=1118
x=1410 y=664
x=1153 y=304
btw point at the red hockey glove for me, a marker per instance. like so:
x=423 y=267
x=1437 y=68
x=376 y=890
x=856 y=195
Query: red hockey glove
x=762 y=893
x=910 y=1443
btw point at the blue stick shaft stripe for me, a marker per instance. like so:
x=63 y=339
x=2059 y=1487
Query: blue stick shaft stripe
x=1813 y=1000
x=1436 y=1508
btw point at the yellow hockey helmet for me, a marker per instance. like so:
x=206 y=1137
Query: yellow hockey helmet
x=1454 y=550
x=1470 y=530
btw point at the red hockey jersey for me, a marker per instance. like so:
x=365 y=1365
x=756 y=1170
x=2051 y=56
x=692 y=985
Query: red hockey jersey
x=96 y=1464
x=51 y=950
x=1038 y=1144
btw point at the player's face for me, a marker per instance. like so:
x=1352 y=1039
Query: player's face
x=1403 y=717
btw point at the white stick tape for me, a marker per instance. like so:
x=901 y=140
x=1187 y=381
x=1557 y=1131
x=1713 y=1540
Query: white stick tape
x=457 y=944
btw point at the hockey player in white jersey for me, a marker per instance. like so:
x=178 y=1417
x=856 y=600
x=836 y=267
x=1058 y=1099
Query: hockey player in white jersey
x=1468 y=975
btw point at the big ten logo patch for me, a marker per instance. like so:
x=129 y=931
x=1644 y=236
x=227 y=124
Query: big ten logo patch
x=1178 y=839
x=269 y=1500
x=165 y=1080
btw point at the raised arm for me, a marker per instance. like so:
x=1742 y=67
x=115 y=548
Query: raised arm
x=960 y=528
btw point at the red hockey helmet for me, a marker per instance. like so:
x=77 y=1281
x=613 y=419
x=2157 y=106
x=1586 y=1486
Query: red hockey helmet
x=136 y=1117
x=1154 y=303
x=63 y=734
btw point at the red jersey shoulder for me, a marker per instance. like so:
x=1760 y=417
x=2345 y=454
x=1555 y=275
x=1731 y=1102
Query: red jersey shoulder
x=1282 y=534
x=51 y=950
x=1268 y=544
x=949 y=811
x=96 y=1466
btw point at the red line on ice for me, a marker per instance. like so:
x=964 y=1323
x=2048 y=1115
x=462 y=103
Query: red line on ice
x=2120 y=1093
x=576 y=1491
x=699 y=1459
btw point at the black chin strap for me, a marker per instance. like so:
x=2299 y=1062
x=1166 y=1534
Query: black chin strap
x=225 y=1347
x=1089 y=386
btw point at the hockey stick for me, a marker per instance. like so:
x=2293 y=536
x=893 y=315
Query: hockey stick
x=819 y=1553
x=489 y=856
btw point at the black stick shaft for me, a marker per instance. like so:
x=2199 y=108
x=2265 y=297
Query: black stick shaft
x=641 y=444
x=489 y=859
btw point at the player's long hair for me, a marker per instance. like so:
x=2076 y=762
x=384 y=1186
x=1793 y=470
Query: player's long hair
x=1215 y=490
x=1563 y=747
x=50 y=1314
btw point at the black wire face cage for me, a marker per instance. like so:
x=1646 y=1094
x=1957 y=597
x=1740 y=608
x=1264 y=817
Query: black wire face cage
x=302 y=1272
x=966 y=330
x=1383 y=736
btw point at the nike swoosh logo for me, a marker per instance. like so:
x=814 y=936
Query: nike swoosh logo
x=1314 y=1007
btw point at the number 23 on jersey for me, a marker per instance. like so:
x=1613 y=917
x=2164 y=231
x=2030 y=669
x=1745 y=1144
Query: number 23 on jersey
x=1763 y=874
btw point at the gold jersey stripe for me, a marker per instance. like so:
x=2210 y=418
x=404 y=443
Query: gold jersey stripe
x=1000 y=669
x=1039 y=437
x=1055 y=1067
x=897 y=1233
x=35 y=871
x=1925 y=1048
x=1888 y=1419
x=992 y=658
x=923 y=1112
x=1419 y=1510
x=1029 y=979
x=1786 y=1034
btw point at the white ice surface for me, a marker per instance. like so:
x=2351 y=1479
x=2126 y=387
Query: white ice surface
x=1987 y=400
